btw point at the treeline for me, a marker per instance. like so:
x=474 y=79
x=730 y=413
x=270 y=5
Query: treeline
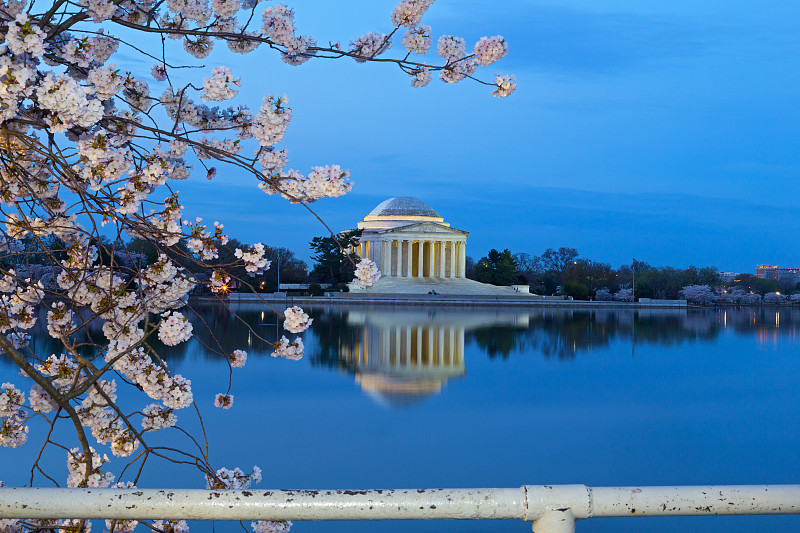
x=563 y=271
x=40 y=260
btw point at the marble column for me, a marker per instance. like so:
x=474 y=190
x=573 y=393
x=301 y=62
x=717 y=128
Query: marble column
x=463 y=264
x=385 y=257
x=450 y=270
x=419 y=259
x=453 y=261
x=397 y=255
x=441 y=258
x=431 y=255
x=391 y=258
x=400 y=258
x=409 y=258
x=456 y=259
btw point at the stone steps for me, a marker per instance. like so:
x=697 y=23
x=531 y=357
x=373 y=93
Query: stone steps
x=445 y=286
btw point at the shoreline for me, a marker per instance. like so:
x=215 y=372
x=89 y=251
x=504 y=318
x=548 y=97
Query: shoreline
x=439 y=300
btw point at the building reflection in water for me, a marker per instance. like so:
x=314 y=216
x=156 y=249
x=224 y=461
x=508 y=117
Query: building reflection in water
x=402 y=358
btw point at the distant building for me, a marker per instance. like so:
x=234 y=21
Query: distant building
x=408 y=239
x=417 y=252
x=790 y=275
x=727 y=277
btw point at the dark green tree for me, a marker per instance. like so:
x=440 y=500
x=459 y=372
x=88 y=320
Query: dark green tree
x=497 y=268
x=284 y=265
x=334 y=263
x=576 y=289
x=759 y=285
x=592 y=275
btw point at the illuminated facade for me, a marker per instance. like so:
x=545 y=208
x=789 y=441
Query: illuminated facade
x=400 y=358
x=408 y=239
x=777 y=273
x=402 y=364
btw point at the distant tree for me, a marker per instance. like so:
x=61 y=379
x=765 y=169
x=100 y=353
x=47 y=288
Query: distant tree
x=627 y=274
x=590 y=274
x=576 y=289
x=528 y=264
x=544 y=273
x=752 y=298
x=739 y=295
x=558 y=260
x=709 y=276
x=314 y=289
x=664 y=282
x=758 y=285
x=497 y=268
x=285 y=266
x=469 y=267
x=774 y=298
x=334 y=263
x=624 y=295
x=698 y=294
x=602 y=295
x=640 y=266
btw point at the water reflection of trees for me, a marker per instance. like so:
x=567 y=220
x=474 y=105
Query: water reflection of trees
x=331 y=331
x=553 y=333
x=563 y=334
x=216 y=331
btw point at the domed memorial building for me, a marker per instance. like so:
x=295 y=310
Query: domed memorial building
x=407 y=238
x=416 y=251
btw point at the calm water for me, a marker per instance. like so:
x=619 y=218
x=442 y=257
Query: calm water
x=495 y=398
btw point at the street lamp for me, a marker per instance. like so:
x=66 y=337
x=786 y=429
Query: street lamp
x=278 y=260
x=633 y=284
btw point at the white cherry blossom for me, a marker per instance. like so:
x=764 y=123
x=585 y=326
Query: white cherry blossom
x=295 y=320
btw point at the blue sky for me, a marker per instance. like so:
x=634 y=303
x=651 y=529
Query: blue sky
x=664 y=131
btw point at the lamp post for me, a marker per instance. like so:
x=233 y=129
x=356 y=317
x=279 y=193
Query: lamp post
x=633 y=284
x=278 y=260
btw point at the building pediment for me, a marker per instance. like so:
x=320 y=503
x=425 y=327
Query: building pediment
x=424 y=227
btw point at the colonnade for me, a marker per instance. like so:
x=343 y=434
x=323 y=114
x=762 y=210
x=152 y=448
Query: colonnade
x=439 y=347
x=416 y=258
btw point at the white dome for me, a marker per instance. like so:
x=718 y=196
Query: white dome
x=403 y=206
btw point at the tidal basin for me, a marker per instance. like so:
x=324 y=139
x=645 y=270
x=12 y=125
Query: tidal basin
x=420 y=398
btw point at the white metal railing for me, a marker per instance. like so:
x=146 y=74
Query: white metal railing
x=551 y=508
